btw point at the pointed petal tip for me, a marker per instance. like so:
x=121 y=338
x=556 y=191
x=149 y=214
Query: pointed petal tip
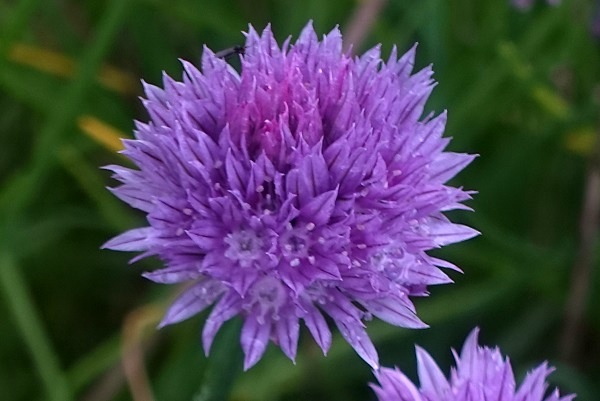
x=248 y=364
x=472 y=341
x=163 y=323
x=421 y=326
x=208 y=337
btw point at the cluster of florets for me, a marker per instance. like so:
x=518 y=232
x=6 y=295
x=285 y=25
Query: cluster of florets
x=307 y=184
x=481 y=374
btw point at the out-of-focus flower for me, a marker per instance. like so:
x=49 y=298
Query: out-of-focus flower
x=522 y=5
x=481 y=374
x=306 y=185
x=595 y=21
x=525 y=5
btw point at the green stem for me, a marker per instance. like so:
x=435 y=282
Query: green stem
x=224 y=364
x=30 y=325
x=16 y=23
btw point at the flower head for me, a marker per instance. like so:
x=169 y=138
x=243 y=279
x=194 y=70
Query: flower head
x=525 y=5
x=481 y=374
x=306 y=185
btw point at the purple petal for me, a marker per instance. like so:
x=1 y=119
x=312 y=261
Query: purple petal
x=192 y=301
x=534 y=386
x=448 y=164
x=317 y=326
x=207 y=237
x=134 y=196
x=226 y=308
x=355 y=334
x=396 y=311
x=395 y=386
x=346 y=318
x=445 y=233
x=173 y=275
x=433 y=382
x=319 y=209
x=288 y=330
x=138 y=239
x=255 y=338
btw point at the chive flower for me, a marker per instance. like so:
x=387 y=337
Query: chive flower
x=526 y=5
x=307 y=185
x=481 y=374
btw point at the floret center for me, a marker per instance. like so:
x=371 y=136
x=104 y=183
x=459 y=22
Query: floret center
x=295 y=244
x=269 y=295
x=244 y=247
x=391 y=262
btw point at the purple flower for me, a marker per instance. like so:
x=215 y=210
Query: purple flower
x=304 y=186
x=481 y=374
x=525 y=5
x=595 y=21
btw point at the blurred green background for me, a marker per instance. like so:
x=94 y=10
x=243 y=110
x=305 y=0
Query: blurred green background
x=522 y=90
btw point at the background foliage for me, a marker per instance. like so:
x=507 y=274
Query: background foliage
x=522 y=90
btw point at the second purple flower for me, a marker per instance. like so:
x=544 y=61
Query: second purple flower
x=307 y=185
x=481 y=374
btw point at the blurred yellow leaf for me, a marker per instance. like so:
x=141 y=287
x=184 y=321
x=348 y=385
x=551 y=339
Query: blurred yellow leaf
x=63 y=66
x=101 y=132
x=550 y=101
x=581 y=140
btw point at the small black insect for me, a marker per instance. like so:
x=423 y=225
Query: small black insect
x=227 y=53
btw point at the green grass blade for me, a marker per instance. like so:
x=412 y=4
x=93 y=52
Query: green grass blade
x=21 y=190
x=31 y=328
x=16 y=23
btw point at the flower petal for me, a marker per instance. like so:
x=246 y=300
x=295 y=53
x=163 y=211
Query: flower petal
x=317 y=326
x=288 y=331
x=255 y=338
x=433 y=383
x=226 y=308
x=193 y=301
x=396 y=311
x=138 y=239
